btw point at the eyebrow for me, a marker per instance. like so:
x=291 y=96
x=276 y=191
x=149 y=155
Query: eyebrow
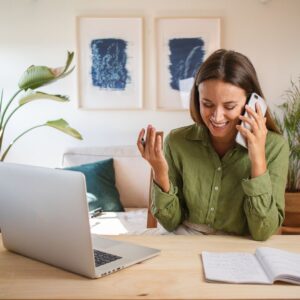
x=227 y=102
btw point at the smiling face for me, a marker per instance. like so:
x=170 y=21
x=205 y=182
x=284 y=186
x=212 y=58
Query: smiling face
x=221 y=104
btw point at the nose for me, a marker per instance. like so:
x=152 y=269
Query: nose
x=218 y=114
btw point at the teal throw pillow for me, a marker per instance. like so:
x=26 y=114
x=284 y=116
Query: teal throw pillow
x=100 y=185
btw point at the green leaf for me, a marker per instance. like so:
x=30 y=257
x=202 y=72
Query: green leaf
x=36 y=95
x=290 y=125
x=64 y=74
x=37 y=76
x=69 y=61
x=63 y=126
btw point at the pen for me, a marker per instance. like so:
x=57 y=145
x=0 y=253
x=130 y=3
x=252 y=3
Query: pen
x=160 y=133
x=96 y=212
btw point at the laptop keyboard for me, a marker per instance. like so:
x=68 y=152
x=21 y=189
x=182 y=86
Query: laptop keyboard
x=102 y=258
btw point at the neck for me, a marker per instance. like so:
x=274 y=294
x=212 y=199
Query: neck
x=221 y=146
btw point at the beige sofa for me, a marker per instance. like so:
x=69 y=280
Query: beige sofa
x=133 y=177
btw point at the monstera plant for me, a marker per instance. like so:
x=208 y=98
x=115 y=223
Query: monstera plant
x=33 y=78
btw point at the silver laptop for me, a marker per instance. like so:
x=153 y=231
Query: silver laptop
x=44 y=215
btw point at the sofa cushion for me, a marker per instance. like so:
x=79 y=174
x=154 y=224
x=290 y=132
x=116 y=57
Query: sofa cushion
x=100 y=183
x=131 y=170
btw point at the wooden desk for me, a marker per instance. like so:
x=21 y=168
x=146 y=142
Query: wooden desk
x=175 y=274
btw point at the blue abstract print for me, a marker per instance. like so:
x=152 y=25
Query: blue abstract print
x=186 y=56
x=109 y=59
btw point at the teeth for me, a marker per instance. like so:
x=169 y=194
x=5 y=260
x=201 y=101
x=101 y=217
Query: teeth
x=218 y=124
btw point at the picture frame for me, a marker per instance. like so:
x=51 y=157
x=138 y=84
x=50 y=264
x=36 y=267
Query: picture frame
x=182 y=45
x=110 y=60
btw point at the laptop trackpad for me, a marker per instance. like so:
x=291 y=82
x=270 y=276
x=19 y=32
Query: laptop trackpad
x=102 y=243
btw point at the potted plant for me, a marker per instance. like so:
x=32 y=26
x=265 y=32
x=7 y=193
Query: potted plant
x=33 y=78
x=289 y=125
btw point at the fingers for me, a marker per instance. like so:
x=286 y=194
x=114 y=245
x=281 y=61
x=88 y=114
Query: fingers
x=253 y=114
x=261 y=120
x=151 y=147
x=254 y=119
x=158 y=145
x=256 y=129
x=244 y=131
x=148 y=135
x=152 y=141
x=248 y=121
x=258 y=110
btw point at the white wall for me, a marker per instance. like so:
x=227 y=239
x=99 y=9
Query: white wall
x=41 y=31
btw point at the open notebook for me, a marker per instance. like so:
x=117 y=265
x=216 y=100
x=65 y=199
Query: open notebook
x=265 y=266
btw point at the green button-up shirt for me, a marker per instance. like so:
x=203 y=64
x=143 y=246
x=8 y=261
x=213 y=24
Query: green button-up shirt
x=219 y=192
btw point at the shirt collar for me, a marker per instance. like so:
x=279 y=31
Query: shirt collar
x=198 y=132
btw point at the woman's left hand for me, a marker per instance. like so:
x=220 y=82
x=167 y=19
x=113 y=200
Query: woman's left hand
x=256 y=139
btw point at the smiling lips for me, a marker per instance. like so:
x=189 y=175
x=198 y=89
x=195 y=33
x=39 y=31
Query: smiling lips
x=219 y=124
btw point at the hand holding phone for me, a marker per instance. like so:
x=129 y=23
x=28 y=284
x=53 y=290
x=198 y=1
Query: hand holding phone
x=254 y=98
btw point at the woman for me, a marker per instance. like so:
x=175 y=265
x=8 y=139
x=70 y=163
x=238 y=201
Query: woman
x=204 y=180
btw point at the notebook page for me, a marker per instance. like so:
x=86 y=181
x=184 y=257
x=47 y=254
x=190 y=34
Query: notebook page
x=280 y=262
x=235 y=267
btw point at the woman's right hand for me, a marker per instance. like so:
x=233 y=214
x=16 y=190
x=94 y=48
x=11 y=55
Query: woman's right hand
x=151 y=150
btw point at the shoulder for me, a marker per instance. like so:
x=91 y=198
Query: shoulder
x=178 y=135
x=276 y=144
x=275 y=139
x=185 y=141
x=181 y=131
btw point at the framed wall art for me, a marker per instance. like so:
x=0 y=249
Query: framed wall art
x=182 y=45
x=110 y=59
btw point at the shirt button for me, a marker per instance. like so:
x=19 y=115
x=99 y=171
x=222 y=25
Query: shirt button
x=212 y=208
x=216 y=188
x=219 y=169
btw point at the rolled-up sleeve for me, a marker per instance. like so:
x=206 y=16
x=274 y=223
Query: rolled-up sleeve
x=264 y=196
x=166 y=207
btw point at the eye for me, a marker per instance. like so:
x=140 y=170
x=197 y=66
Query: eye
x=230 y=107
x=207 y=104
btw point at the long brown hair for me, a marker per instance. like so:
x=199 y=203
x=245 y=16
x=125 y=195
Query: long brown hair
x=231 y=67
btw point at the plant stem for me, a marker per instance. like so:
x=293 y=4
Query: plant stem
x=5 y=123
x=7 y=106
x=11 y=144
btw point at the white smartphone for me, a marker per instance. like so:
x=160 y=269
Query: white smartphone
x=251 y=102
